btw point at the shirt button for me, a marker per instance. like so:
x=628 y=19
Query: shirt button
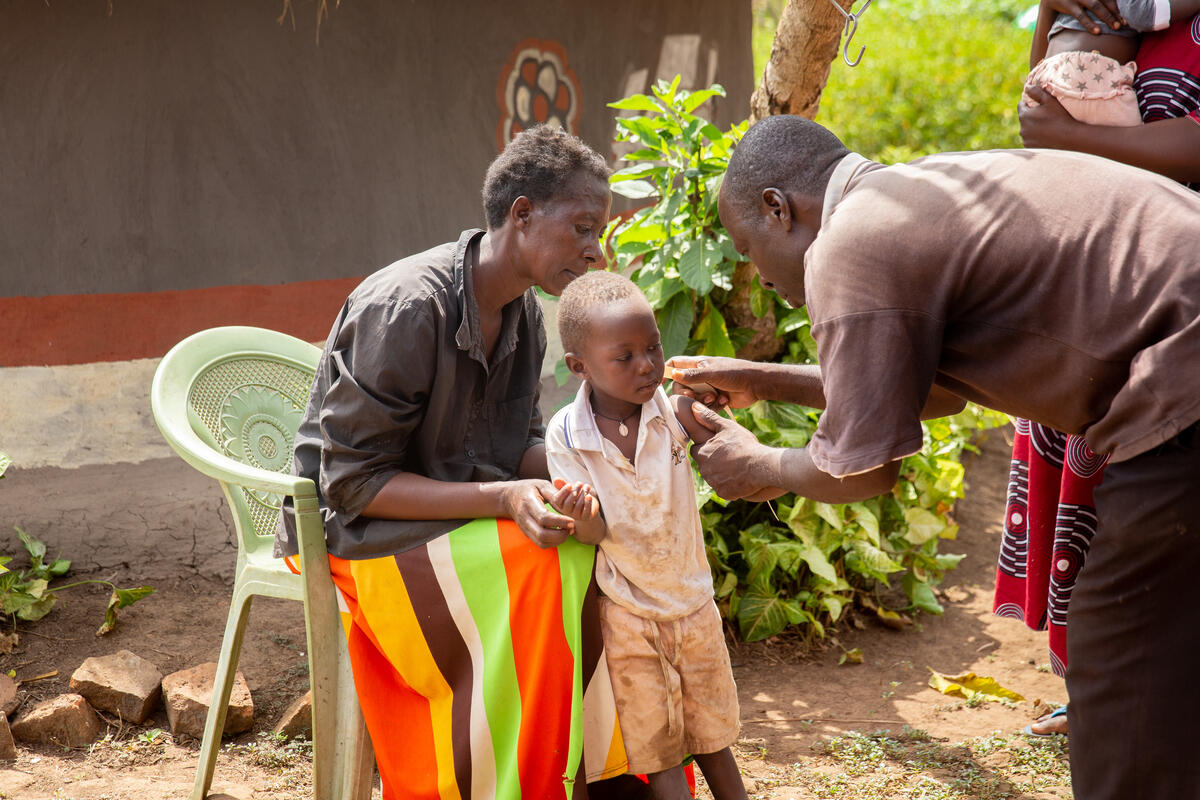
x=470 y=454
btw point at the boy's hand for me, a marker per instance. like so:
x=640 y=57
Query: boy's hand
x=579 y=502
x=576 y=500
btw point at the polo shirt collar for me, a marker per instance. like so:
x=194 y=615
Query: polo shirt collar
x=581 y=430
x=843 y=173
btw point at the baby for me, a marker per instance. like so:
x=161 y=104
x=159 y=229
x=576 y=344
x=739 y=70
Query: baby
x=1091 y=74
x=625 y=440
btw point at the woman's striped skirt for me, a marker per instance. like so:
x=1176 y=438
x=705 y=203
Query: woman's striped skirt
x=478 y=663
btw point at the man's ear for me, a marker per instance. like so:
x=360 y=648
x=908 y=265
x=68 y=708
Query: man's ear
x=576 y=365
x=775 y=205
x=521 y=212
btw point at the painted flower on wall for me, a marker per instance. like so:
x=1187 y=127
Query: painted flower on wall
x=537 y=87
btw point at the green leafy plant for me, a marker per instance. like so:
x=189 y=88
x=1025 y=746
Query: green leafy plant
x=27 y=595
x=5 y=463
x=798 y=563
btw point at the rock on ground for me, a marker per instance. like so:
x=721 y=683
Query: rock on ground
x=297 y=718
x=66 y=720
x=188 y=694
x=8 y=695
x=123 y=683
x=8 y=747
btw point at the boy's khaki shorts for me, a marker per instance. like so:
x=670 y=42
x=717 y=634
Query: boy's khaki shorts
x=672 y=683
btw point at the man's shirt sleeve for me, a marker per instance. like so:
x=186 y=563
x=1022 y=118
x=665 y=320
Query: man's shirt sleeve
x=877 y=368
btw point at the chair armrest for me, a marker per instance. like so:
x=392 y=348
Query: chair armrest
x=195 y=451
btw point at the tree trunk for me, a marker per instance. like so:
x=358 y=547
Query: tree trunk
x=806 y=42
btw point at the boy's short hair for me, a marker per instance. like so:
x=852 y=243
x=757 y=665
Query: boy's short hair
x=595 y=288
x=538 y=163
x=783 y=151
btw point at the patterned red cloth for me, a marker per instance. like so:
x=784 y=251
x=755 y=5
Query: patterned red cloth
x=1049 y=522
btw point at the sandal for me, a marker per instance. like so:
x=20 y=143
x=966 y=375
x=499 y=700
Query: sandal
x=1061 y=711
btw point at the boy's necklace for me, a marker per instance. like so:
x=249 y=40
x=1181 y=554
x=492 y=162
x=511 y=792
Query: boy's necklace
x=622 y=428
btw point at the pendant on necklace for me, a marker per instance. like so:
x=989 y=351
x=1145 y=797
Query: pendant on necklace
x=621 y=429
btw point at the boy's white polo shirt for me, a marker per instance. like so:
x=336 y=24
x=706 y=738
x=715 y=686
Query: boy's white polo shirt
x=652 y=561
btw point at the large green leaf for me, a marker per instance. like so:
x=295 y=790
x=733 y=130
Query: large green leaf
x=923 y=525
x=921 y=594
x=818 y=563
x=5 y=462
x=761 y=615
x=692 y=267
x=698 y=98
x=635 y=190
x=711 y=331
x=870 y=560
x=675 y=324
x=637 y=102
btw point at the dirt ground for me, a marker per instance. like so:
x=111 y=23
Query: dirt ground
x=810 y=727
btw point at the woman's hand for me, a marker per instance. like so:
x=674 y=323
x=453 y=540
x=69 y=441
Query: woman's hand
x=1104 y=10
x=1046 y=124
x=524 y=502
x=731 y=380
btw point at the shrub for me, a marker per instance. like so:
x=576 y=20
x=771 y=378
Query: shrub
x=803 y=564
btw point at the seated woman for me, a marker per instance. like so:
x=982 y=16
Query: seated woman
x=424 y=437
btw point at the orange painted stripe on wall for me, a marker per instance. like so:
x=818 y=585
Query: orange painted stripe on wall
x=82 y=328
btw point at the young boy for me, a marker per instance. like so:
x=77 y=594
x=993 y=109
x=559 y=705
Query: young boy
x=1091 y=71
x=624 y=439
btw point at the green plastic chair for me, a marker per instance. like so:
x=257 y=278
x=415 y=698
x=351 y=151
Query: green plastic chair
x=229 y=401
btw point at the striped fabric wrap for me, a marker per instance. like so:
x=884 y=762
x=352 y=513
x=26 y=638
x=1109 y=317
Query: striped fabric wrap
x=478 y=663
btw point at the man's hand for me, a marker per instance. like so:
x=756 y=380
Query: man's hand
x=525 y=503
x=733 y=462
x=1046 y=124
x=731 y=379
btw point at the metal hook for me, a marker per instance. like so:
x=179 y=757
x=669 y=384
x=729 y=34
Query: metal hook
x=851 y=29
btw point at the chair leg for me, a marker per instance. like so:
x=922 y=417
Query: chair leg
x=343 y=761
x=357 y=759
x=214 y=723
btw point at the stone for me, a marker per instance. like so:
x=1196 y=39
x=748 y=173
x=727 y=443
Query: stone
x=188 y=694
x=8 y=695
x=297 y=719
x=8 y=747
x=123 y=683
x=66 y=720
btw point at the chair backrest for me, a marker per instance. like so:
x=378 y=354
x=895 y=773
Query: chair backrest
x=245 y=391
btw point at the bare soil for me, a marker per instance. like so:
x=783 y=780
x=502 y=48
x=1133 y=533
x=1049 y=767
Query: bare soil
x=811 y=727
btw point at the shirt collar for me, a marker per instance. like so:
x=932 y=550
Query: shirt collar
x=469 y=334
x=464 y=289
x=843 y=173
x=580 y=422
